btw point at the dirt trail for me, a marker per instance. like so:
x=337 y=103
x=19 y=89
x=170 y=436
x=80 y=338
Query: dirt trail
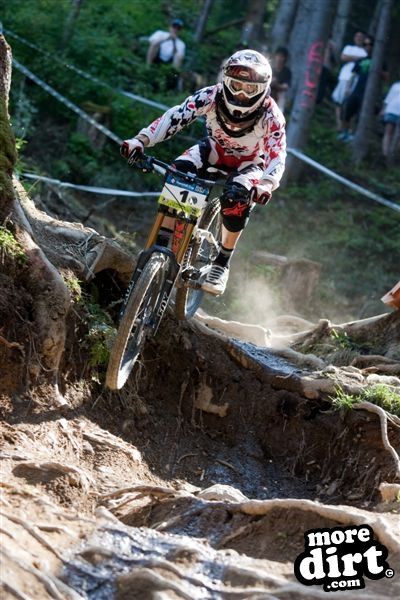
x=233 y=463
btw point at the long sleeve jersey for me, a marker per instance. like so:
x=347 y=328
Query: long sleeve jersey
x=264 y=144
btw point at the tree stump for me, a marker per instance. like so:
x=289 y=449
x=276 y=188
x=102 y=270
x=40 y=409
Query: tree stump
x=298 y=278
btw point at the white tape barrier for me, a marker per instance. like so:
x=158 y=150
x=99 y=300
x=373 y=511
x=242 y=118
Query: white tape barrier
x=88 y=188
x=67 y=102
x=112 y=136
x=343 y=180
x=88 y=76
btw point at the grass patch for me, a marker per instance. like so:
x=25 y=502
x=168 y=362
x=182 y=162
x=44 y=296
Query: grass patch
x=380 y=394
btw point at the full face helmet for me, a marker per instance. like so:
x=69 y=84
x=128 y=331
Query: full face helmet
x=246 y=81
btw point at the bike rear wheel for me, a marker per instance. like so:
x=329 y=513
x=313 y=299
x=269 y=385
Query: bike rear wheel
x=199 y=254
x=137 y=321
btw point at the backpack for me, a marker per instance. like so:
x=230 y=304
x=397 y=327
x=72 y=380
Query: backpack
x=157 y=60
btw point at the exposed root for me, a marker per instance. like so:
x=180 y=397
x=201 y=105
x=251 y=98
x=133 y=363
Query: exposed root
x=13 y=591
x=383 y=417
x=254 y=334
x=32 y=530
x=345 y=515
x=76 y=476
x=103 y=438
x=56 y=588
x=12 y=345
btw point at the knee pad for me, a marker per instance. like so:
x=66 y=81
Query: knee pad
x=235 y=210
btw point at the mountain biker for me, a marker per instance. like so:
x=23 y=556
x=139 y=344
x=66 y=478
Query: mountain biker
x=246 y=139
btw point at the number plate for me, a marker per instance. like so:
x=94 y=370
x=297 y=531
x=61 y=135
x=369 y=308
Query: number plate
x=183 y=195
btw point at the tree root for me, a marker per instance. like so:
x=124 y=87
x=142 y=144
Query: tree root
x=32 y=530
x=12 y=345
x=71 y=245
x=76 y=475
x=383 y=417
x=56 y=588
x=13 y=591
x=103 y=438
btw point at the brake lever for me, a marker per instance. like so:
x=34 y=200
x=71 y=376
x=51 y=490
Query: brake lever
x=145 y=164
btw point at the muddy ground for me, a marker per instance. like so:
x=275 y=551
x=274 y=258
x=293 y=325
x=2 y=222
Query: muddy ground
x=200 y=478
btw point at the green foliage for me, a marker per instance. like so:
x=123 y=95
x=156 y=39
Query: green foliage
x=10 y=247
x=74 y=286
x=100 y=333
x=341 y=338
x=380 y=394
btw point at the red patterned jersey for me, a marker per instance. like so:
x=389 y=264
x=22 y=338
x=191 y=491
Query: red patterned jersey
x=263 y=144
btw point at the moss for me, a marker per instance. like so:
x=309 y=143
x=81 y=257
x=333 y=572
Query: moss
x=8 y=156
x=10 y=246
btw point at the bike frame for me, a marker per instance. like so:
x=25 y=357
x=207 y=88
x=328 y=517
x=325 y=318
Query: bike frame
x=183 y=231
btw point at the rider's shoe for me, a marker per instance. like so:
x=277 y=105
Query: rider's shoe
x=216 y=280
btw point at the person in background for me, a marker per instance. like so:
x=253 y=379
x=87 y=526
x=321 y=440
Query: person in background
x=165 y=47
x=391 y=118
x=352 y=105
x=350 y=54
x=281 y=77
x=245 y=140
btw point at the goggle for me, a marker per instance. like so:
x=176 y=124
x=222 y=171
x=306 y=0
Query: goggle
x=238 y=86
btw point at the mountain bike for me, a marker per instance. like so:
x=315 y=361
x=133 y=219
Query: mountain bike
x=160 y=270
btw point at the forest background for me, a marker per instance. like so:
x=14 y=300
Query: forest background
x=356 y=240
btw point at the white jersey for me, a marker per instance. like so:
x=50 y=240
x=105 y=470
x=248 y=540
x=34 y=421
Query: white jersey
x=264 y=144
x=171 y=49
x=357 y=52
x=392 y=100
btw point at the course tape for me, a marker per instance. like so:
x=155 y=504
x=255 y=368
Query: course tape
x=347 y=182
x=86 y=75
x=87 y=188
x=67 y=102
x=115 y=138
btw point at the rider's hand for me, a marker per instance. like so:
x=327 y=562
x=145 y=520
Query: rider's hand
x=261 y=193
x=132 y=150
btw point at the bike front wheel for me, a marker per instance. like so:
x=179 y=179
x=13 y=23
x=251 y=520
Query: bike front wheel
x=199 y=254
x=137 y=321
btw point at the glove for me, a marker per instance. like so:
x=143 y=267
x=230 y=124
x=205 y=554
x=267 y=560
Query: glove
x=132 y=150
x=260 y=193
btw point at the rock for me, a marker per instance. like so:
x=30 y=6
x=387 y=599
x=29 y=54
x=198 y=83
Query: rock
x=221 y=492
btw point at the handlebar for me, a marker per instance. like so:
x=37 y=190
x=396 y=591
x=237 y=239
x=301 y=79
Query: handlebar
x=150 y=164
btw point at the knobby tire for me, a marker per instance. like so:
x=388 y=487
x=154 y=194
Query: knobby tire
x=188 y=300
x=130 y=336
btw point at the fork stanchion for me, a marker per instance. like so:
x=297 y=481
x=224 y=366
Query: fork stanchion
x=154 y=230
x=185 y=242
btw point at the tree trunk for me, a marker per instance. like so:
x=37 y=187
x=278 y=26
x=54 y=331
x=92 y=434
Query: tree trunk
x=373 y=25
x=202 y=20
x=340 y=24
x=297 y=43
x=50 y=250
x=253 y=28
x=310 y=70
x=367 y=121
x=282 y=25
x=76 y=6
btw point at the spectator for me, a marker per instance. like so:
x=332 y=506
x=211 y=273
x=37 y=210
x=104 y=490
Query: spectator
x=281 y=77
x=350 y=53
x=166 y=47
x=391 y=118
x=352 y=104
